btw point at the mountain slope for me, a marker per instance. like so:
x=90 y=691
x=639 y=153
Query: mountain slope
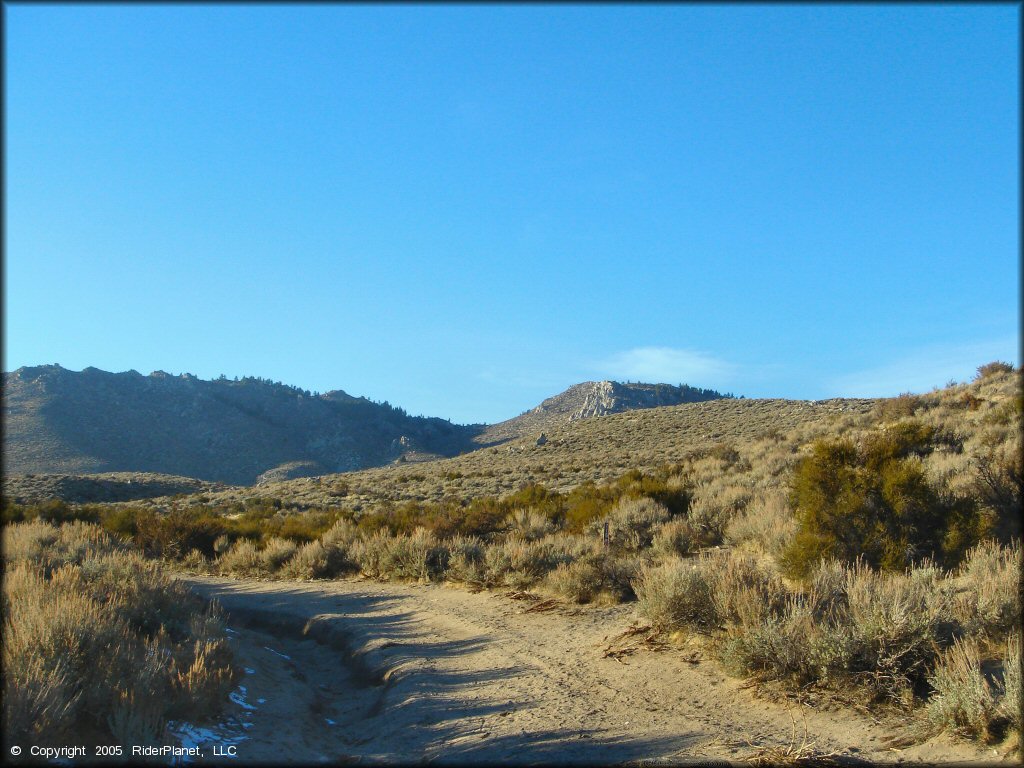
x=254 y=431
x=589 y=399
x=228 y=431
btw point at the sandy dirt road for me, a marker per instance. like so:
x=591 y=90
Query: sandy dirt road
x=359 y=671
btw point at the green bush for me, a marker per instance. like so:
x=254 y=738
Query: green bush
x=55 y=511
x=875 y=502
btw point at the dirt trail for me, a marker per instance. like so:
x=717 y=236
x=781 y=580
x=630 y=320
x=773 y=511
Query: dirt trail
x=361 y=671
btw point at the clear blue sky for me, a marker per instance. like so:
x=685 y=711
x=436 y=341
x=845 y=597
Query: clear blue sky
x=465 y=209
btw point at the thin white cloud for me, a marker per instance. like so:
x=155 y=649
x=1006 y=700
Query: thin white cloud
x=666 y=365
x=931 y=366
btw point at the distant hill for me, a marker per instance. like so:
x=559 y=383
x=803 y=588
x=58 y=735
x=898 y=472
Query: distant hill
x=249 y=431
x=239 y=432
x=593 y=398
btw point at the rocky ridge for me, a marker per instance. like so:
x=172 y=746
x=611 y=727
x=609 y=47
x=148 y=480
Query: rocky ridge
x=592 y=399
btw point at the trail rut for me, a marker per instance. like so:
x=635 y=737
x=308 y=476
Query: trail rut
x=360 y=671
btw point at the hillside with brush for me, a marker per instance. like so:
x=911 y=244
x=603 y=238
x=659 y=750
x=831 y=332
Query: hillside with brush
x=244 y=431
x=251 y=431
x=836 y=551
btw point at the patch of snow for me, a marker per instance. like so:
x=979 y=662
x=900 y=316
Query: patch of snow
x=191 y=736
x=283 y=656
x=238 y=696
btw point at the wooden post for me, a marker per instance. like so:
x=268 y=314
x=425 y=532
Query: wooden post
x=606 y=539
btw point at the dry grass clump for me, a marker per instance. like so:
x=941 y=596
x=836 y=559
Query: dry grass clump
x=104 y=645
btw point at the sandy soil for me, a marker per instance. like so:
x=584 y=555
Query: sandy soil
x=358 y=671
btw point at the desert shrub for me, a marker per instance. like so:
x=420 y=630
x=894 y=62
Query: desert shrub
x=535 y=496
x=243 y=559
x=1012 y=705
x=993 y=368
x=519 y=563
x=28 y=541
x=530 y=524
x=999 y=484
x=896 y=618
x=744 y=592
x=195 y=562
x=318 y=560
x=580 y=580
x=371 y=553
x=305 y=527
x=874 y=502
x=50 y=511
x=276 y=552
x=676 y=594
x=466 y=559
x=51 y=547
x=990 y=603
x=675 y=538
x=664 y=486
x=419 y=555
x=712 y=507
x=631 y=523
x=827 y=589
x=776 y=647
x=587 y=502
x=765 y=524
x=965 y=700
x=852 y=625
x=343 y=533
x=89 y=626
x=593 y=574
x=481 y=517
x=175 y=533
x=893 y=408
